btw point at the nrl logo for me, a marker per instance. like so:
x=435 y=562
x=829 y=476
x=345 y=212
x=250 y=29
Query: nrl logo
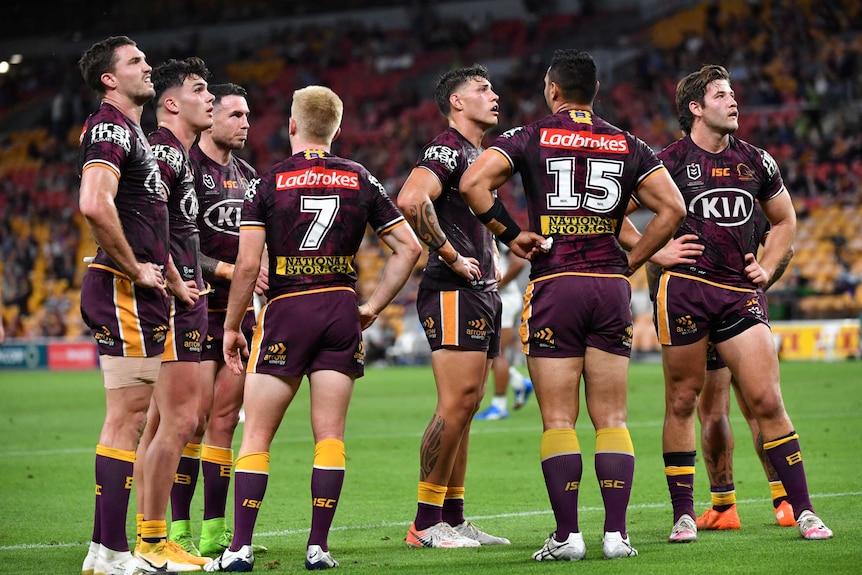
x=209 y=182
x=693 y=171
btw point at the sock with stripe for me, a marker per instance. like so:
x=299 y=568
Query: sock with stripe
x=615 y=468
x=562 y=467
x=185 y=481
x=251 y=476
x=114 y=471
x=679 y=472
x=327 y=479
x=216 y=463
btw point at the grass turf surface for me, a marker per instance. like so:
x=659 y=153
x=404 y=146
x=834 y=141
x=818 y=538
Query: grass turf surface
x=50 y=421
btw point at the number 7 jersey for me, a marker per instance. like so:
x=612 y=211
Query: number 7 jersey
x=315 y=208
x=579 y=172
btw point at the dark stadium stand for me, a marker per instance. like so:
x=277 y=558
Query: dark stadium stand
x=797 y=72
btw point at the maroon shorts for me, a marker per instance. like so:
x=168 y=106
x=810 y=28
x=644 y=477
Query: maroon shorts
x=461 y=319
x=215 y=334
x=309 y=331
x=567 y=313
x=688 y=309
x=188 y=331
x=126 y=320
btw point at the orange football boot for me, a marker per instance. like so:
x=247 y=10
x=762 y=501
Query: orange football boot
x=784 y=514
x=713 y=520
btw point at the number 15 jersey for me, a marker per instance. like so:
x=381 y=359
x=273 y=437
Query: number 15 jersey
x=579 y=172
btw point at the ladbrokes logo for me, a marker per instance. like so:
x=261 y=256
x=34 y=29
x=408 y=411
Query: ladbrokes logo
x=192 y=341
x=685 y=325
x=477 y=328
x=544 y=337
x=551 y=138
x=276 y=354
x=429 y=326
x=316 y=177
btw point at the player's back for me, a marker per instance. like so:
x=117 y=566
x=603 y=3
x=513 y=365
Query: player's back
x=579 y=172
x=315 y=208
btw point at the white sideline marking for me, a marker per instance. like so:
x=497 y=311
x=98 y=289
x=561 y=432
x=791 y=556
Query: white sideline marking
x=480 y=430
x=284 y=532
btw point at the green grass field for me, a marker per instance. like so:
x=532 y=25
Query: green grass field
x=49 y=425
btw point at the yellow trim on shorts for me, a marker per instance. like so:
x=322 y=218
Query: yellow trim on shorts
x=329 y=454
x=170 y=353
x=560 y=441
x=714 y=284
x=130 y=324
x=782 y=441
x=580 y=274
x=661 y=310
x=114 y=453
x=449 y=316
x=526 y=314
x=312 y=291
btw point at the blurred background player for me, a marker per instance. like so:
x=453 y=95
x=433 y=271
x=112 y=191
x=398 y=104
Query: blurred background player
x=183 y=110
x=221 y=181
x=311 y=212
x=505 y=374
x=578 y=319
x=458 y=305
x=126 y=209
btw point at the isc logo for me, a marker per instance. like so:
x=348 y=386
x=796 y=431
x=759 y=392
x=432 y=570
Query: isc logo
x=323 y=502
x=720 y=172
x=253 y=503
x=612 y=484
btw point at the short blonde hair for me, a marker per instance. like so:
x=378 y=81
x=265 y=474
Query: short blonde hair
x=317 y=111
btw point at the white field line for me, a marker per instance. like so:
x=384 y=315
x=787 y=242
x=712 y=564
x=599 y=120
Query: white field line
x=474 y=431
x=378 y=525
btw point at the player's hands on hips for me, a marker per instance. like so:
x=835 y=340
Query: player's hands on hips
x=367 y=315
x=261 y=284
x=678 y=251
x=150 y=276
x=234 y=348
x=755 y=272
x=467 y=268
x=187 y=292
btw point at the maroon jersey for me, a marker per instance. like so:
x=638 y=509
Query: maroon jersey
x=113 y=141
x=220 y=190
x=579 y=172
x=448 y=156
x=720 y=191
x=315 y=207
x=178 y=180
